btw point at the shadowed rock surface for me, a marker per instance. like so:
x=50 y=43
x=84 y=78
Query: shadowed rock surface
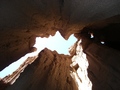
x=50 y=71
x=21 y=21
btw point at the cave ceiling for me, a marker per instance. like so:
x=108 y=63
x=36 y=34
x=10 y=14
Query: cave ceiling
x=22 y=20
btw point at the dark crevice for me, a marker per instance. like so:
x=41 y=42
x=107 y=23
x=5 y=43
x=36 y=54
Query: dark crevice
x=109 y=34
x=3 y=85
x=61 y=5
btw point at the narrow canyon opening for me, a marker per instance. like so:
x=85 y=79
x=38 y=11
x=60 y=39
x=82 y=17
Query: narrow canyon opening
x=53 y=43
x=93 y=60
x=53 y=64
x=63 y=48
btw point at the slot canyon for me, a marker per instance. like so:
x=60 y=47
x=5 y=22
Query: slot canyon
x=94 y=59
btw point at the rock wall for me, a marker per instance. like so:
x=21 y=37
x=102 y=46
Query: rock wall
x=103 y=70
x=80 y=65
x=91 y=66
x=88 y=69
x=50 y=71
x=21 y=21
x=24 y=19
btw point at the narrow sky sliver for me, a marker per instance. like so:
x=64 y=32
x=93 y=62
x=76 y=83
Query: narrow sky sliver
x=56 y=42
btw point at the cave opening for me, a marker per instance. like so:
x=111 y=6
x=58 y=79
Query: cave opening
x=54 y=43
x=98 y=25
x=77 y=60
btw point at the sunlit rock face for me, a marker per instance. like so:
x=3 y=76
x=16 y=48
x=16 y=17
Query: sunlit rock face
x=80 y=65
x=50 y=71
x=91 y=66
x=55 y=72
x=21 y=21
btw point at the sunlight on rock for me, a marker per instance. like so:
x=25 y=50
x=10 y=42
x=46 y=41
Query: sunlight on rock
x=91 y=35
x=80 y=74
x=56 y=42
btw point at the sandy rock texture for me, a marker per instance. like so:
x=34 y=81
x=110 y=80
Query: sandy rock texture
x=103 y=59
x=24 y=19
x=50 y=71
x=91 y=64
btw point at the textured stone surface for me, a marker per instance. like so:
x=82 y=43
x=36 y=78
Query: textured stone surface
x=80 y=65
x=50 y=71
x=20 y=20
x=99 y=70
x=103 y=69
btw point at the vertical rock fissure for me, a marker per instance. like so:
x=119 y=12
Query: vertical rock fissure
x=80 y=65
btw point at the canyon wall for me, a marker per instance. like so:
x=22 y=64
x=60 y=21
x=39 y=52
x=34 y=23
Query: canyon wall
x=22 y=20
x=103 y=69
x=103 y=58
x=92 y=65
x=50 y=71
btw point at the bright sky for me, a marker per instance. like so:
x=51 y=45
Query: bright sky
x=56 y=42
